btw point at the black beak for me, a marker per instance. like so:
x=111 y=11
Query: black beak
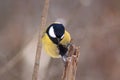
x=58 y=39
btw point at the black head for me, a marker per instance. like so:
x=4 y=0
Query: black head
x=56 y=32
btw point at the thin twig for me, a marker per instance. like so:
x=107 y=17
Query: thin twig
x=69 y=72
x=39 y=45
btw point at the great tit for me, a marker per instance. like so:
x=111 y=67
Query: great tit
x=55 y=40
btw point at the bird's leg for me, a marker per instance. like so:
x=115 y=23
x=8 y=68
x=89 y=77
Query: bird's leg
x=64 y=58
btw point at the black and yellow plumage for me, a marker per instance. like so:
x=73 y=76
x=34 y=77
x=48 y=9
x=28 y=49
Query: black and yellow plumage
x=55 y=40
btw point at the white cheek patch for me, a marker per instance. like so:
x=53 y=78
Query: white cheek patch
x=62 y=36
x=51 y=32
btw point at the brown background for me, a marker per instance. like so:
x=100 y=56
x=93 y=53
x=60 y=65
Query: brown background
x=93 y=24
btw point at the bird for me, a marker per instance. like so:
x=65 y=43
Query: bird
x=55 y=40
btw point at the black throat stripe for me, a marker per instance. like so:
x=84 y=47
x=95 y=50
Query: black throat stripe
x=63 y=49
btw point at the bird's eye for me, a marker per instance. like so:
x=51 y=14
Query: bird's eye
x=62 y=36
x=51 y=32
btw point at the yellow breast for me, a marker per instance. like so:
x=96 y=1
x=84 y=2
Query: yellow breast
x=49 y=47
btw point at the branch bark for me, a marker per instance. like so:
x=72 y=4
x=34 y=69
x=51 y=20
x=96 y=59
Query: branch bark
x=39 y=45
x=69 y=72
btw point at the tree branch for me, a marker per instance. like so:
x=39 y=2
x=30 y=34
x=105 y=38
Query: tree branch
x=69 y=72
x=39 y=45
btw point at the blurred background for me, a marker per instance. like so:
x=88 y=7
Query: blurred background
x=93 y=24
